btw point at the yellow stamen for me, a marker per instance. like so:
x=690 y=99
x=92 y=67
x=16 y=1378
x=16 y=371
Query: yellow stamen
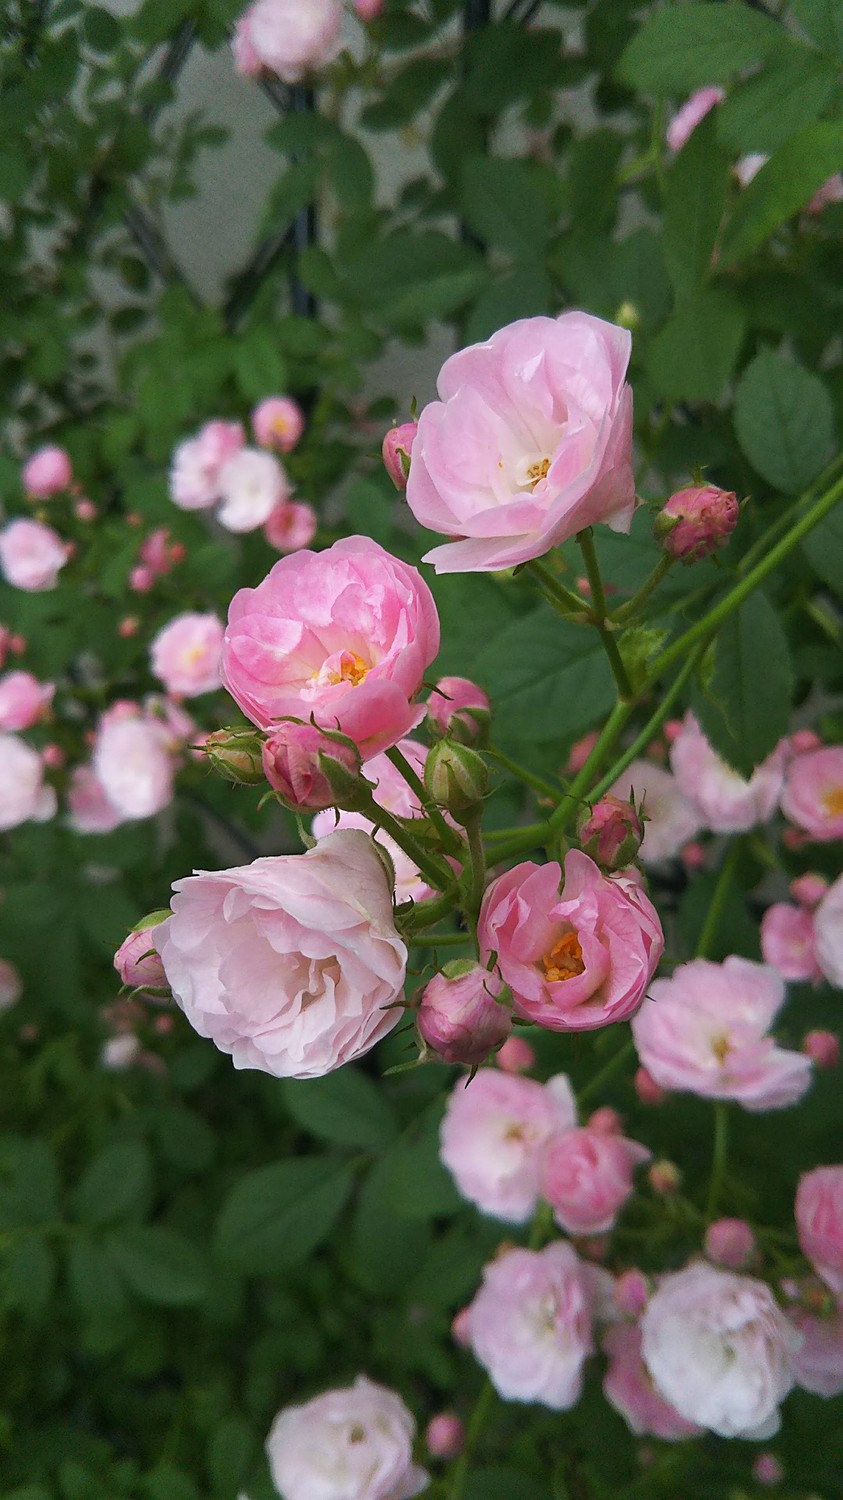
x=538 y=470
x=565 y=960
x=832 y=801
x=721 y=1047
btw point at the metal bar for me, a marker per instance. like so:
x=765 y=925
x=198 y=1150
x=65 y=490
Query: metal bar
x=476 y=13
x=178 y=51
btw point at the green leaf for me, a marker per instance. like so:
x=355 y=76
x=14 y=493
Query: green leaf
x=28 y=1182
x=784 y=421
x=824 y=548
x=508 y=62
x=783 y=186
x=345 y=1107
x=550 y=679
x=230 y=1452
x=695 y=197
x=408 y=277
x=160 y=1265
x=823 y=20
x=762 y=112
x=384 y=1251
x=259 y=364
x=500 y=200
x=684 y=47
x=27 y=1274
x=525 y=293
x=746 y=707
x=158 y=19
x=102 y=31
x=277 y=1215
x=115 y=1182
x=693 y=355
x=96 y=1286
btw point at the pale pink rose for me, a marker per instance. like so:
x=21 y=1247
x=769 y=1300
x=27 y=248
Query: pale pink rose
x=460 y=709
x=819 y=1222
x=705 y=1030
x=278 y=422
x=251 y=484
x=719 y=1350
x=531 y=1325
x=575 y=959
x=291 y=526
x=291 y=964
x=195 y=470
x=24 y=797
x=31 y=556
x=670 y=820
x=818 y=1362
x=89 y=810
x=23 y=700
x=787 y=941
x=830 y=191
x=292 y=37
x=683 y=124
x=749 y=166
x=725 y=801
x=185 y=654
x=530 y=442
x=133 y=764
x=344 y=635
x=137 y=962
x=493 y=1137
x=246 y=60
x=459 y=1016
x=120 y=1052
x=828 y=933
x=731 y=1243
x=628 y=1388
x=409 y=884
x=349 y=1444
x=47 y=473
x=587 y=1178
x=813 y=793
x=396 y=450
x=11 y=985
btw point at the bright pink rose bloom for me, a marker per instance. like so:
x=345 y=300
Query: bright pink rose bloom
x=819 y=1222
x=830 y=191
x=628 y=1388
x=23 y=700
x=695 y=521
x=818 y=1362
x=133 y=764
x=787 y=941
x=515 y=1056
x=574 y=960
x=349 y=1444
x=292 y=766
x=137 y=962
x=828 y=933
x=291 y=526
x=531 y=1325
x=195 y=470
x=705 y=1031
x=813 y=793
x=530 y=442
x=89 y=810
x=292 y=964
x=459 y=708
x=24 y=797
x=31 y=556
x=719 y=1349
x=731 y=1243
x=48 y=472
x=11 y=985
x=291 y=37
x=725 y=801
x=278 y=422
x=823 y=1048
x=459 y=1016
x=396 y=451
x=344 y=635
x=445 y=1435
x=185 y=654
x=683 y=124
x=587 y=1178
x=251 y=484
x=493 y=1137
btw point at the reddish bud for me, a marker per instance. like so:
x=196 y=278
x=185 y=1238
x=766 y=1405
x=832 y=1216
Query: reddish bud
x=128 y=627
x=141 y=579
x=445 y=1435
x=630 y=1293
x=693 y=856
x=515 y=1056
x=730 y=1242
x=648 y=1091
x=580 y=751
x=803 y=740
x=461 y=1328
x=85 y=510
x=696 y=521
x=136 y=960
x=808 y=890
x=606 y=1120
x=17 y=645
x=460 y=709
x=823 y=1047
x=397 y=446
x=611 y=833
x=53 y=757
x=459 y=1016
x=303 y=763
x=767 y=1470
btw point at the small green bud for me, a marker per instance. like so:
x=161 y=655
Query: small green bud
x=236 y=755
x=456 y=777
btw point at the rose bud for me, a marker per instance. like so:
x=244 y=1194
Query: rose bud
x=236 y=755
x=445 y=1435
x=460 y=709
x=696 y=521
x=730 y=1242
x=808 y=890
x=396 y=452
x=459 y=1016
x=456 y=778
x=137 y=961
x=767 y=1470
x=648 y=1091
x=298 y=762
x=823 y=1047
x=516 y=1056
x=630 y=1293
x=47 y=473
x=611 y=833
x=664 y=1178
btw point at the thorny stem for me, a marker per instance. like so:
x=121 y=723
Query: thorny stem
x=451 y=840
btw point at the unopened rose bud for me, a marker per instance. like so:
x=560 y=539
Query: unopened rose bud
x=808 y=890
x=730 y=1242
x=459 y=1016
x=823 y=1047
x=693 y=856
x=136 y=960
x=302 y=763
x=128 y=627
x=460 y=709
x=611 y=833
x=767 y=1471
x=606 y=1120
x=456 y=777
x=17 y=645
x=397 y=446
x=696 y=521
x=53 y=757
x=648 y=1091
x=461 y=1328
x=580 y=751
x=85 y=510
x=630 y=1293
x=47 y=473
x=236 y=755
x=664 y=1178
x=141 y=579
x=445 y=1435
x=515 y=1056
x=803 y=740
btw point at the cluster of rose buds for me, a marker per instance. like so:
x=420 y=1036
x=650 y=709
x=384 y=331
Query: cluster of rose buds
x=157 y=556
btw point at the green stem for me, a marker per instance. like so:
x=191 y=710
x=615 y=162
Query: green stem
x=608 y=1071
x=719 y=1155
x=426 y=914
x=436 y=874
x=626 y=611
x=482 y=1408
x=585 y=540
x=451 y=840
x=718 y=901
x=652 y=726
x=563 y=599
x=546 y=788
x=477 y=854
x=612 y=729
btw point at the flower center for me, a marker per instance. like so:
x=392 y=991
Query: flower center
x=346 y=666
x=832 y=801
x=565 y=960
x=721 y=1046
x=538 y=470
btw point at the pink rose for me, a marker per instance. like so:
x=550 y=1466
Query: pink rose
x=719 y=1349
x=459 y=1016
x=11 y=985
x=610 y=832
x=830 y=191
x=251 y=484
x=246 y=60
x=813 y=793
x=725 y=801
x=493 y=1137
x=24 y=797
x=89 y=810
x=531 y=1325
x=349 y=1444
x=278 y=422
x=530 y=442
x=628 y=1388
x=47 y=473
x=23 y=700
x=185 y=654
x=587 y=1178
x=396 y=449
x=291 y=526
x=133 y=764
x=819 y=1222
x=31 y=556
x=705 y=1031
x=460 y=709
x=344 y=636
x=695 y=521
x=683 y=124
x=292 y=37
x=515 y=1056
x=574 y=959
x=137 y=962
x=670 y=820
x=818 y=1361
x=787 y=941
x=293 y=766
x=828 y=933
x=195 y=471
x=292 y=964
x=808 y=890
x=731 y=1243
